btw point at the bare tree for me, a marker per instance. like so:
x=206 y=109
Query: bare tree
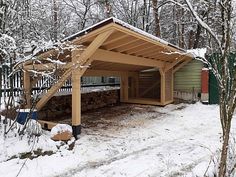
x=157 y=28
x=222 y=69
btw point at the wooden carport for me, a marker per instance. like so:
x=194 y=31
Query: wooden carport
x=112 y=48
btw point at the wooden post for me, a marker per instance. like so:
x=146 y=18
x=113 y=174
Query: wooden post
x=137 y=84
x=124 y=88
x=132 y=87
x=27 y=89
x=133 y=78
x=163 y=86
x=76 y=94
x=83 y=58
x=172 y=85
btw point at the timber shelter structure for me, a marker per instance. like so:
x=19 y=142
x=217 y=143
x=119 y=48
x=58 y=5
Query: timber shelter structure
x=144 y=63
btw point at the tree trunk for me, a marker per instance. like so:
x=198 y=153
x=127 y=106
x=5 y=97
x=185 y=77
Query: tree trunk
x=224 y=153
x=226 y=115
x=156 y=18
x=55 y=20
x=197 y=36
x=190 y=39
x=108 y=8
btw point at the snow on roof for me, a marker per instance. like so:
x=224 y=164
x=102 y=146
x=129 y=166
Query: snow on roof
x=124 y=24
x=139 y=30
x=200 y=52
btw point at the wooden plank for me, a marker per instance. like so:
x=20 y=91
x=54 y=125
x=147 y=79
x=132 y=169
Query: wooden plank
x=157 y=54
x=144 y=50
x=114 y=38
x=47 y=66
x=133 y=45
x=163 y=87
x=47 y=124
x=168 y=85
x=27 y=89
x=120 y=43
x=150 y=88
x=171 y=65
x=91 y=72
x=115 y=57
x=144 y=101
x=137 y=83
x=172 y=85
x=148 y=39
x=98 y=41
x=82 y=59
x=124 y=87
x=80 y=40
x=119 y=67
x=168 y=102
x=181 y=65
x=139 y=48
x=76 y=95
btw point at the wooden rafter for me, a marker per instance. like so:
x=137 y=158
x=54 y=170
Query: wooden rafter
x=130 y=46
x=114 y=38
x=109 y=56
x=83 y=58
x=133 y=49
x=155 y=53
x=171 y=65
x=92 y=72
x=138 y=48
x=181 y=65
x=150 y=40
x=47 y=66
x=145 y=50
x=120 y=43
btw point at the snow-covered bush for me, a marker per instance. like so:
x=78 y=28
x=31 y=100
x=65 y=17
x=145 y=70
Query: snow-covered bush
x=213 y=167
x=33 y=128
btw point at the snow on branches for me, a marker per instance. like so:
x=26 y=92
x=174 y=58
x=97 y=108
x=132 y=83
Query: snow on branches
x=7 y=48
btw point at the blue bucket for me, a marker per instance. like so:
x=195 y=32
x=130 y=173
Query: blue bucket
x=23 y=113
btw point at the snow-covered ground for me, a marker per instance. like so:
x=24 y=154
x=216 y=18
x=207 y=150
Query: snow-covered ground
x=176 y=140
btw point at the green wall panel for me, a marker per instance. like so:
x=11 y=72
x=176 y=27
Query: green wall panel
x=189 y=77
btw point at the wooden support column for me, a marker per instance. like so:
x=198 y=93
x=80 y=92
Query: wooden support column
x=124 y=88
x=27 y=89
x=137 y=84
x=163 y=86
x=82 y=59
x=172 y=85
x=76 y=95
x=132 y=86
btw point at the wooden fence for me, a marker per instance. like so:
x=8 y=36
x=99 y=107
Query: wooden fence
x=13 y=84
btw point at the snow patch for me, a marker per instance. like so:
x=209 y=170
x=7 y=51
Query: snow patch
x=198 y=52
x=59 y=128
x=205 y=69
